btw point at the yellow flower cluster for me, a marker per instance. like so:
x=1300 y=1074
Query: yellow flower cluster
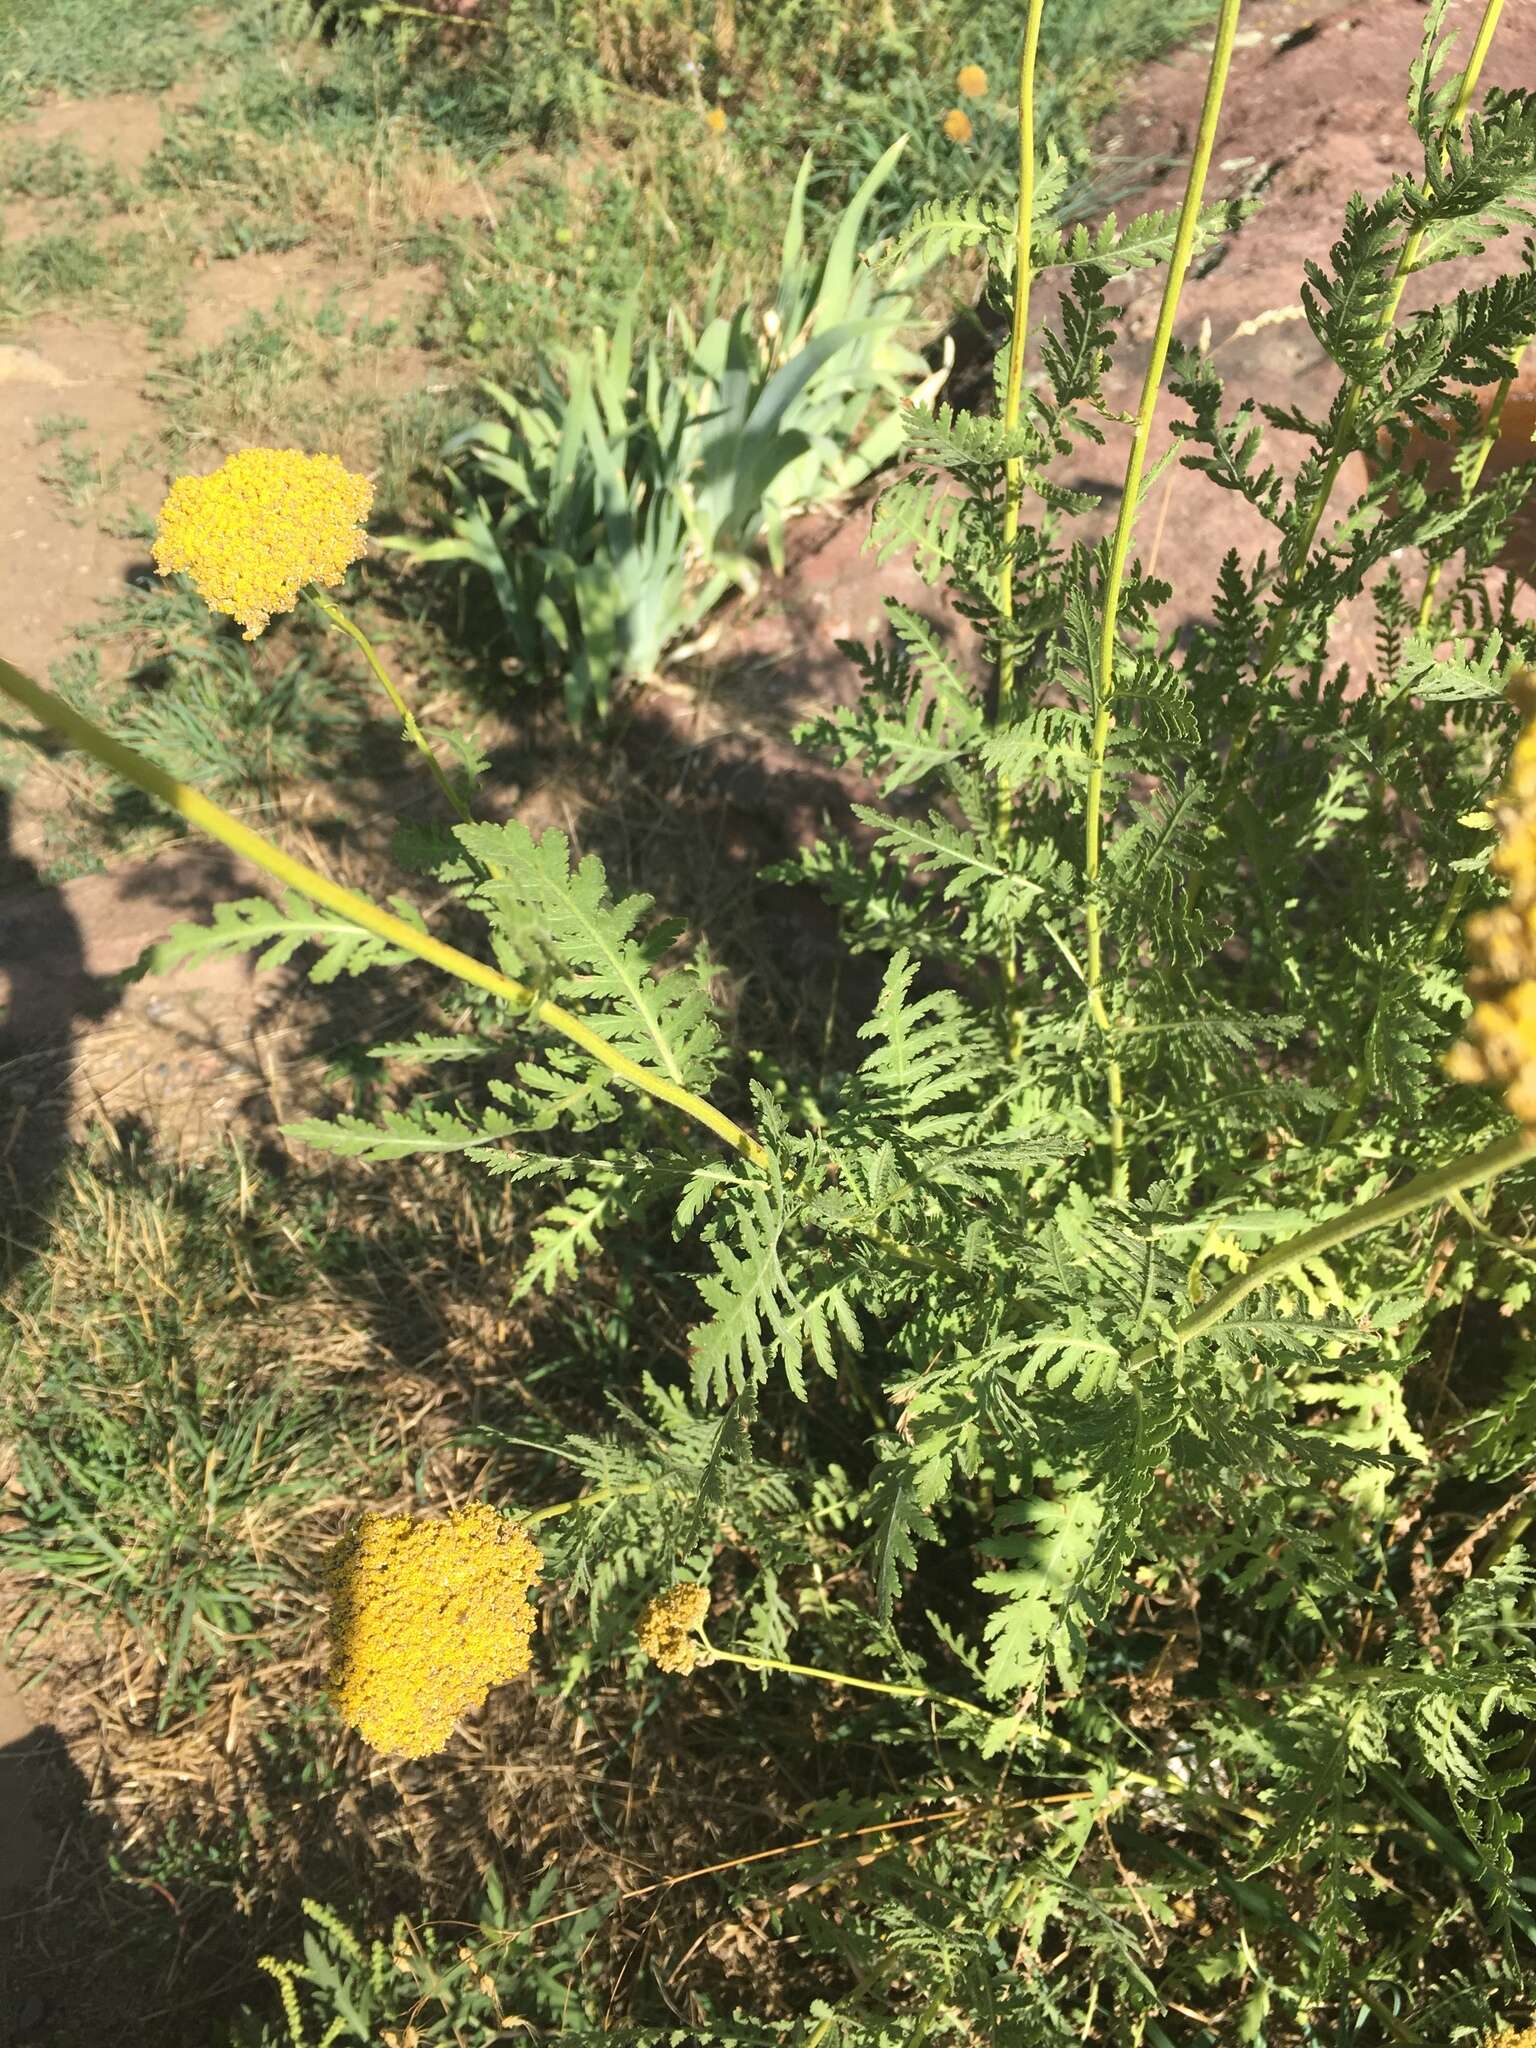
x=714 y=120
x=957 y=125
x=426 y=1616
x=1500 y=1045
x=971 y=82
x=667 y=1624
x=1506 y=2037
x=265 y=523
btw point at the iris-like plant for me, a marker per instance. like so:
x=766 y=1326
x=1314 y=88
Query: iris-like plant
x=614 y=508
x=1149 y=1205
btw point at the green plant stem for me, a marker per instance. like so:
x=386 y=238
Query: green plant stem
x=598 y=1498
x=1472 y=478
x=1173 y=286
x=413 y=731
x=1450 y=913
x=1013 y=468
x=1469 y=1169
x=900 y=1692
x=209 y=818
x=1013 y=392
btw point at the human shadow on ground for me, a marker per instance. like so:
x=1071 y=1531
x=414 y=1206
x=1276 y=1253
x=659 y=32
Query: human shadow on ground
x=52 y=1857
x=48 y=992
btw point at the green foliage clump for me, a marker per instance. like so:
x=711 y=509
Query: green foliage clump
x=612 y=510
x=425 y=1985
x=1109 y=1387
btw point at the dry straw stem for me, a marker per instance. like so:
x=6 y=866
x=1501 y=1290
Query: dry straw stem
x=1173 y=285
x=217 y=823
x=988 y=1809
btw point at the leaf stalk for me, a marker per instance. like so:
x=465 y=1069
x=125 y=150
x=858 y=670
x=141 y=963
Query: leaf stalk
x=209 y=818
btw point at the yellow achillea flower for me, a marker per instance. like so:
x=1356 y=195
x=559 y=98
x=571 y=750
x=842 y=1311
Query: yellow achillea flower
x=1500 y=1044
x=667 y=1624
x=1506 y=2037
x=264 y=524
x=957 y=125
x=714 y=120
x=971 y=81
x=426 y=1616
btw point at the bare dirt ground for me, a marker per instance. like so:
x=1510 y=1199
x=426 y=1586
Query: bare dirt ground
x=1315 y=110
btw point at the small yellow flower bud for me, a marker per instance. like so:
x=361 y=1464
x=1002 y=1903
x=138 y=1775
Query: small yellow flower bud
x=957 y=125
x=714 y=121
x=971 y=82
x=666 y=1630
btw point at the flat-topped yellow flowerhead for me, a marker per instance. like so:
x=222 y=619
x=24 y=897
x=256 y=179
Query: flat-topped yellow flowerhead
x=971 y=81
x=667 y=1625
x=261 y=526
x=426 y=1616
x=957 y=125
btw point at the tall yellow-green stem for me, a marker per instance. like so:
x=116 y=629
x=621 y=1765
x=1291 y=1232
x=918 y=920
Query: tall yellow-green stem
x=1178 y=269
x=209 y=818
x=1013 y=390
x=1467 y=1170
x=386 y=682
x=829 y=1677
x=1013 y=469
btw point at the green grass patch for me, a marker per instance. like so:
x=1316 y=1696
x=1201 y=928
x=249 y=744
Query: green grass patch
x=76 y=47
x=172 y=1469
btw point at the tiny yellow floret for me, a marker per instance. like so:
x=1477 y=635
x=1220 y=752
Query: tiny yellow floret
x=427 y=1616
x=667 y=1625
x=261 y=526
x=714 y=120
x=957 y=125
x=1499 y=1048
x=971 y=82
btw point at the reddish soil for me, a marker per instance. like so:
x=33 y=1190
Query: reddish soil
x=1315 y=110
x=55 y=566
